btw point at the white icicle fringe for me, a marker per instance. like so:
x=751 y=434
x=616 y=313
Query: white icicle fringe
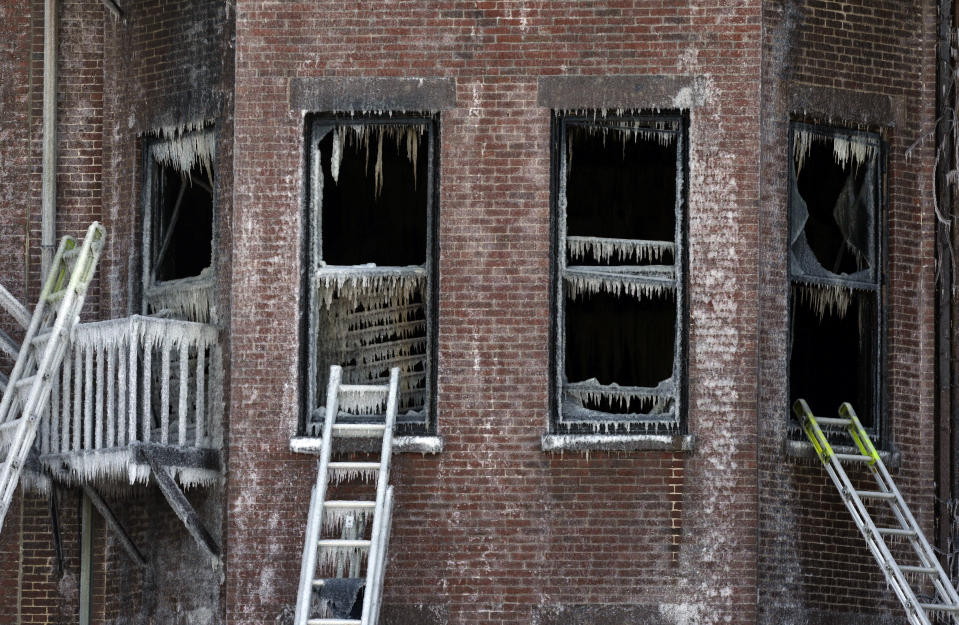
x=368 y=283
x=403 y=135
x=336 y=556
x=335 y=519
x=184 y=146
x=624 y=250
x=845 y=150
x=825 y=299
x=579 y=284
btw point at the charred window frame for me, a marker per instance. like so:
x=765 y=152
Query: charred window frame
x=619 y=310
x=837 y=201
x=371 y=245
x=179 y=224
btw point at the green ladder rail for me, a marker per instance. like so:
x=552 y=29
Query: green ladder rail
x=27 y=391
x=924 y=564
x=344 y=555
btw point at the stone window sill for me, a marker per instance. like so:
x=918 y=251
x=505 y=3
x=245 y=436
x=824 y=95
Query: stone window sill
x=613 y=442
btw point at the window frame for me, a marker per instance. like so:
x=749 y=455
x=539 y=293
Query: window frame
x=153 y=289
x=876 y=284
x=617 y=424
x=316 y=127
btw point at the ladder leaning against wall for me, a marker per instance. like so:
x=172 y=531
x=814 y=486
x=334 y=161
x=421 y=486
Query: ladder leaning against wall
x=332 y=577
x=906 y=580
x=27 y=391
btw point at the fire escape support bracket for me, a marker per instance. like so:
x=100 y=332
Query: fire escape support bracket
x=114 y=524
x=178 y=501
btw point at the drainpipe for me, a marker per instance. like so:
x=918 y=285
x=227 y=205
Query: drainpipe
x=48 y=206
x=945 y=426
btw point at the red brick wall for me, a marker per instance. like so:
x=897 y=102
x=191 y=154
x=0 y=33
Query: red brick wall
x=872 y=65
x=493 y=530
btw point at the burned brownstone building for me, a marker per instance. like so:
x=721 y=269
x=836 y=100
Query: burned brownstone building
x=606 y=244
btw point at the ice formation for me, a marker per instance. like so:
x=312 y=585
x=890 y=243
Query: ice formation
x=190 y=298
x=624 y=250
x=369 y=283
x=335 y=520
x=361 y=135
x=641 y=282
x=184 y=146
x=825 y=299
x=651 y=400
x=845 y=149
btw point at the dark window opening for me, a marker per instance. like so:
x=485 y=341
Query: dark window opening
x=183 y=223
x=620 y=318
x=372 y=190
x=835 y=259
x=374 y=209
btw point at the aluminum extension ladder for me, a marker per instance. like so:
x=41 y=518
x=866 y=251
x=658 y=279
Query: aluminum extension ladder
x=343 y=555
x=925 y=564
x=47 y=337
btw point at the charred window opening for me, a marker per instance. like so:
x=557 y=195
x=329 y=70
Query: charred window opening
x=178 y=225
x=619 y=235
x=371 y=245
x=836 y=270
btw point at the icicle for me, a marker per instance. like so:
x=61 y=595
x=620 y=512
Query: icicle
x=604 y=249
x=362 y=402
x=582 y=281
x=337 y=156
x=364 y=284
x=846 y=150
x=191 y=298
x=825 y=299
x=339 y=556
x=182 y=147
x=335 y=520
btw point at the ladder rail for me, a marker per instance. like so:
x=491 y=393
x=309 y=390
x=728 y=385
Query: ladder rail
x=892 y=570
x=26 y=347
x=900 y=509
x=316 y=504
x=67 y=314
x=880 y=551
x=377 y=549
x=381 y=569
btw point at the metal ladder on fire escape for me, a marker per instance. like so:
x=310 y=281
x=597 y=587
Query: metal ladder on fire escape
x=925 y=565
x=343 y=555
x=47 y=337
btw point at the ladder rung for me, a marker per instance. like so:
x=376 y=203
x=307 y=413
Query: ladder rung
x=349 y=504
x=333 y=621
x=875 y=494
x=928 y=570
x=895 y=531
x=942 y=607
x=41 y=337
x=8 y=426
x=358 y=430
x=56 y=296
x=853 y=457
x=373 y=389
x=343 y=542
x=25 y=383
x=832 y=421
x=354 y=466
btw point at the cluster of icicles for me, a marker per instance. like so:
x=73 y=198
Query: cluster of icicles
x=363 y=135
x=184 y=146
x=651 y=400
x=583 y=281
x=845 y=149
x=623 y=250
x=184 y=301
x=825 y=300
x=389 y=331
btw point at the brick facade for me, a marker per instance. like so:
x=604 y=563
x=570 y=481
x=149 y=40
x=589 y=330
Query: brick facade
x=492 y=529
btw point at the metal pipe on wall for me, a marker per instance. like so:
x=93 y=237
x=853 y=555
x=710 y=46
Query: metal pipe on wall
x=48 y=206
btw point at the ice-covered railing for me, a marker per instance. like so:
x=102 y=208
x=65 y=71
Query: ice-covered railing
x=135 y=380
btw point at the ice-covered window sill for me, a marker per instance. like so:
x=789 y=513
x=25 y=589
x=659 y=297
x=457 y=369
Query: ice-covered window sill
x=619 y=442
x=401 y=444
x=805 y=451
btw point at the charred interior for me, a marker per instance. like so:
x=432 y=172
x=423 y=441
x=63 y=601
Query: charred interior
x=371 y=203
x=183 y=221
x=835 y=325
x=620 y=345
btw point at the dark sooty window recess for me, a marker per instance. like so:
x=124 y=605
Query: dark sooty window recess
x=619 y=312
x=371 y=222
x=835 y=262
